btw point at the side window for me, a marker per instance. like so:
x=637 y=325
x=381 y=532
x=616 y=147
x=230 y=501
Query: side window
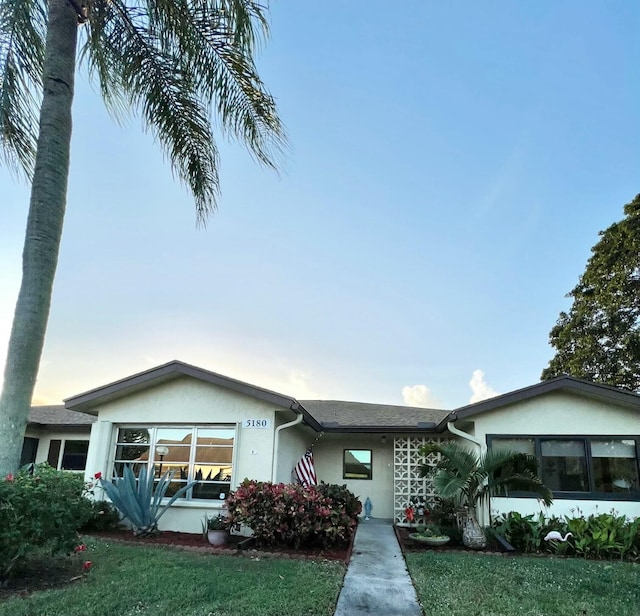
x=74 y=454
x=599 y=466
x=29 y=450
x=357 y=464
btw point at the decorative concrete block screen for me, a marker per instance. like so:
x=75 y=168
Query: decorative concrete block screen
x=408 y=486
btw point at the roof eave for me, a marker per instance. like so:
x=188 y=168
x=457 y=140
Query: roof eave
x=378 y=429
x=562 y=383
x=86 y=401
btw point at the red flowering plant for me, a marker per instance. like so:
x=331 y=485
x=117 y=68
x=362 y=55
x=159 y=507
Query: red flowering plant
x=416 y=510
x=410 y=514
x=291 y=515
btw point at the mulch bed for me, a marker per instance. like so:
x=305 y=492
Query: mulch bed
x=41 y=574
x=408 y=545
x=195 y=542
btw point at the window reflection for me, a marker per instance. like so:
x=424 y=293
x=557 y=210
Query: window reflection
x=614 y=465
x=192 y=454
x=357 y=464
x=564 y=465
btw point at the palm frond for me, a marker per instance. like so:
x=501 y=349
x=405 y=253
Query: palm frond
x=136 y=72
x=215 y=41
x=176 y=62
x=523 y=481
x=22 y=42
x=464 y=475
x=244 y=106
x=453 y=457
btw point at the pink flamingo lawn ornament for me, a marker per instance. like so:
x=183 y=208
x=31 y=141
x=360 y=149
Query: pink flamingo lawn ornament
x=554 y=535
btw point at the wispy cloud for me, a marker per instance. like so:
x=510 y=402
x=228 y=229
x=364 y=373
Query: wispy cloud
x=420 y=396
x=481 y=390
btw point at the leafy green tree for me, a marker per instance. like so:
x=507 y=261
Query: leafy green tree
x=175 y=63
x=599 y=338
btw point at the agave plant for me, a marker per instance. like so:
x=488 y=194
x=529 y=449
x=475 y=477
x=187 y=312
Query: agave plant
x=139 y=501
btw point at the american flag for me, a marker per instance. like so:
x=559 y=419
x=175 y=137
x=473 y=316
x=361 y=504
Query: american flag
x=305 y=470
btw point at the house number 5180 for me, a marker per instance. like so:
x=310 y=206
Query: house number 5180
x=256 y=423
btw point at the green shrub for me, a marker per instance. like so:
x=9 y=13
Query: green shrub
x=290 y=515
x=40 y=508
x=606 y=535
x=443 y=512
x=524 y=532
x=453 y=532
x=104 y=516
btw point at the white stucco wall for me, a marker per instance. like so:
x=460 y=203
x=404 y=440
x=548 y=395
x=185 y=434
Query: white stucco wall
x=564 y=507
x=293 y=442
x=191 y=402
x=560 y=413
x=328 y=456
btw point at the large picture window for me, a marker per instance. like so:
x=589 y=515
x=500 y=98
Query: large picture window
x=203 y=454
x=602 y=467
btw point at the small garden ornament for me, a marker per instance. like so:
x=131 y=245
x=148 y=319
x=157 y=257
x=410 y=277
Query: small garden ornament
x=367 y=508
x=554 y=535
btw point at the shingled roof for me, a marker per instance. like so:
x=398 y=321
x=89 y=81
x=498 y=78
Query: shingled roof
x=339 y=416
x=57 y=415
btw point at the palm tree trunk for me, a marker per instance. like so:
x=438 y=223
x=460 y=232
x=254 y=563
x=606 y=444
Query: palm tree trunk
x=43 y=233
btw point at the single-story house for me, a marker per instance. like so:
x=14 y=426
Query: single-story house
x=218 y=430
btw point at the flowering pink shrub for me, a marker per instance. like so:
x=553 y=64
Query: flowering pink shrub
x=290 y=515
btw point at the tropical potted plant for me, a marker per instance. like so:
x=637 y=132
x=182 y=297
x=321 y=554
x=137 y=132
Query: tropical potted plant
x=429 y=534
x=469 y=479
x=217 y=529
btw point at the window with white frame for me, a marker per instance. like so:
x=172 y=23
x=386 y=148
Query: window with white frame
x=600 y=467
x=194 y=453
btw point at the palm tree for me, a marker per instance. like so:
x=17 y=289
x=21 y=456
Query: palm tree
x=469 y=479
x=175 y=63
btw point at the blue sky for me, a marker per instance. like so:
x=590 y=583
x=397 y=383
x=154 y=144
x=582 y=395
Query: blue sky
x=450 y=167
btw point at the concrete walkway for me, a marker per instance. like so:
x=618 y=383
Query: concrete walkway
x=377 y=581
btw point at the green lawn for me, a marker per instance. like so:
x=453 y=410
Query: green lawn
x=127 y=580
x=484 y=585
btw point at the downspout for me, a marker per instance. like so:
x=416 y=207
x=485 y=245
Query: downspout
x=476 y=441
x=483 y=449
x=276 y=438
